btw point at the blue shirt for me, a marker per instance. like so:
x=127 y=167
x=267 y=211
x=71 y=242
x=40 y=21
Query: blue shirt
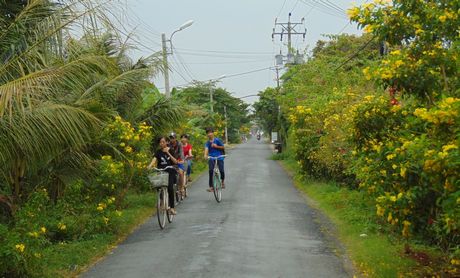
x=213 y=151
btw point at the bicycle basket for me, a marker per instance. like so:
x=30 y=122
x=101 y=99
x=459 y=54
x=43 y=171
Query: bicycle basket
x=159 y=180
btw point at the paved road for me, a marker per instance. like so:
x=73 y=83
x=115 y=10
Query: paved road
x=262 y=228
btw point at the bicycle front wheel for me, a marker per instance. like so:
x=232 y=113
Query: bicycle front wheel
x=217 y=187
x=162 y=206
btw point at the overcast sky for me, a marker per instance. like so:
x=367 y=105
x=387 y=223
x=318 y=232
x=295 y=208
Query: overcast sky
x=230 y=37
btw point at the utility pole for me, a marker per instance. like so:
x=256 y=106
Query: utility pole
x=277 y=69
x=290 y=29
x=226 y=125
x=165 y=65
x=211 y=87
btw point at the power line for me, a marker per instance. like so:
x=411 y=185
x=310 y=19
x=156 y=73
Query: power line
x=356 y=53
x=282 y=7
x=226 y=52
x=324 y=8
x=295 y=5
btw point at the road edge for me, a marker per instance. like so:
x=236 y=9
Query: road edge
x=327 y=227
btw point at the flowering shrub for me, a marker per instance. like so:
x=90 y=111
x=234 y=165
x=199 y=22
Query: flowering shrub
x=408 y=158
x=424 y=37
x=126 y=166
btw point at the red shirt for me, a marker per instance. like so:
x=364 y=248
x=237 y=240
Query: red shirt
x=187 y=150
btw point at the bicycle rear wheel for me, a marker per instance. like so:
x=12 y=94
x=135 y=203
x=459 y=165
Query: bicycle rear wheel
x=162 y=206
x=217 y=187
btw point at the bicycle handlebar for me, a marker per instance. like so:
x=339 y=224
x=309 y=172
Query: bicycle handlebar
x=216 y=157
x=164 y=169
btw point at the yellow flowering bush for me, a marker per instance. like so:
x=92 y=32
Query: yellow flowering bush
x=408 y=158
x=126 y=164
x=424 y=42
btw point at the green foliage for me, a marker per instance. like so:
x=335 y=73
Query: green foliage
x=197 y=102
x=424 y=36
x=387 y=126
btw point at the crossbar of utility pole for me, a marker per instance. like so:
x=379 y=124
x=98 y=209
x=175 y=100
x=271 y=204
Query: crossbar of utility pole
x=290 y=29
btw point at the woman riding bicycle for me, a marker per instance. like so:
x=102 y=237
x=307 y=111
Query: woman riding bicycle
x=214 y=147
x=162 y=159
x=187 y=154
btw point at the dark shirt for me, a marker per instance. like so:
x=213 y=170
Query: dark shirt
x=177 y=151
x=163 y=159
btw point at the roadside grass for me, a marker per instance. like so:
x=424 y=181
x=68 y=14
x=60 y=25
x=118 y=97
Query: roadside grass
x=375 y=251
x=69 y=259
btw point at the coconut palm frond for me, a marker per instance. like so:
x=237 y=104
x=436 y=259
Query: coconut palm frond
x=163 y=115
x=42 y=133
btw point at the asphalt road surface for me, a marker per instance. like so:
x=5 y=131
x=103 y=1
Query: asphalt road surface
x=262 y=228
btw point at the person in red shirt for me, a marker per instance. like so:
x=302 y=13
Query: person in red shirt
x=187 y=147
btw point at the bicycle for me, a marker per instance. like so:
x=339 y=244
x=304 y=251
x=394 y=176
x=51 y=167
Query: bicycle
x=160 y=183
x=216 y=181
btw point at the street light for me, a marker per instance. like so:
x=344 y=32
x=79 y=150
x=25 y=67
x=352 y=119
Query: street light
x=165 y=54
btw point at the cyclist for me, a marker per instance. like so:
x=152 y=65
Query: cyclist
x=162 y=159
x=178 y=152
x=214 y=147
x=188 y=155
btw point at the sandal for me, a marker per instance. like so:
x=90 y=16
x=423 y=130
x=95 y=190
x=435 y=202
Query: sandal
x=210 y=189
x=172 y=211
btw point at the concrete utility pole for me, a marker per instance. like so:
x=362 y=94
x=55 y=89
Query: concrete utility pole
x=226 y=125
x=165 y=65
x=211 y=88
x=290 y=29
x=166 y=53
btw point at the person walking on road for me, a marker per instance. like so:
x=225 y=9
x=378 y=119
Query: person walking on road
x=214 y=147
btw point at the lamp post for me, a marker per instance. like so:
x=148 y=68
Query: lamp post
x=165 y=54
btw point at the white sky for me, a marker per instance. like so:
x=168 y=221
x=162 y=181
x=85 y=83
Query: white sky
x=206 y=50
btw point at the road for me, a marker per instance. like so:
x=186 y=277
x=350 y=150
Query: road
x=262 y=228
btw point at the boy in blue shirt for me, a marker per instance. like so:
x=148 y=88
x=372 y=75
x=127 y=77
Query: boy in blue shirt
x=214 y=147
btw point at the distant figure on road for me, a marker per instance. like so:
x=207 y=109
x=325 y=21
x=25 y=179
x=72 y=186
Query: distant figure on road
x=214 y=147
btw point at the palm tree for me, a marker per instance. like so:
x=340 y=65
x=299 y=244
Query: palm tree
x=57 y=92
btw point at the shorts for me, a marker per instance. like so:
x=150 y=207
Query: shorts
x=181 y=166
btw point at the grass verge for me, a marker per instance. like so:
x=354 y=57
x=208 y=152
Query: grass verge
x=374 y=251
x=69 y=259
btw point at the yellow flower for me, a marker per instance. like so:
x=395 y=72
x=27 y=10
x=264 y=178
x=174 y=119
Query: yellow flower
x=390 y=217
x=106 y=220
x=43 y=230
x=403 y=172
x=394 y=166
x=446 y=148
x=353 y=12
x=380 y=210
x=455 y=262
x=391 y=156
x=398 y=63
x=137 y=138
x=383 y=172
x=62 y=227
x=442 y=18
x=33 y=234
x=20 y=247
x=128 y=149
x=367 y=74
x=106 y=157
x=122 y=144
